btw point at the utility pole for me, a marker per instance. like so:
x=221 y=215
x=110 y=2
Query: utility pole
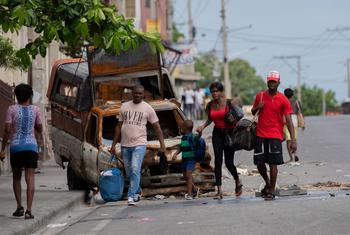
x=227 y=82
x=323 y=103
x=190 y=22
x=298 y=70
x=299 y=77
x=348 y=72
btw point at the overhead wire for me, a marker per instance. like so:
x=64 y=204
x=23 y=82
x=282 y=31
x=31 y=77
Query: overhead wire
x=318 y=44
x=203 y=8
x=312 y=37
x=343 y=35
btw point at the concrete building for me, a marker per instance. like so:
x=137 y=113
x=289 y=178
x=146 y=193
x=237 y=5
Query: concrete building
x=148 y=15
x=37 y=76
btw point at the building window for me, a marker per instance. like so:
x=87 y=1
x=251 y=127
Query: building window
x=148 y=3
x=130 y=8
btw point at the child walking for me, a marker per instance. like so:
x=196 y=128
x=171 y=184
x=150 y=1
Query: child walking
x=188 y=155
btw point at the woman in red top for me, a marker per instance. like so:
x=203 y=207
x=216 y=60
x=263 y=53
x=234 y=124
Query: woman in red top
x=216 y=110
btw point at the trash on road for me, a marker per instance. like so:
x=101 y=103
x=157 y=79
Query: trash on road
x=186 y=222
x=242 y=171
x=56 y=225
x=145 y=219
x=159 y=197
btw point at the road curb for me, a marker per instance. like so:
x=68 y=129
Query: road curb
x=39 y=223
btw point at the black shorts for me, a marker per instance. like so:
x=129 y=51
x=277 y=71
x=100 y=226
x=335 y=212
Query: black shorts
x=26 y=159
x=268 y=151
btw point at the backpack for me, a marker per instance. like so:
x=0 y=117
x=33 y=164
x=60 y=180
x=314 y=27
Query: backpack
x=199 y=147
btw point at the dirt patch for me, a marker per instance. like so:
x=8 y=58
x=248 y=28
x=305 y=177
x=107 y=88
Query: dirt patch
x=328 y=184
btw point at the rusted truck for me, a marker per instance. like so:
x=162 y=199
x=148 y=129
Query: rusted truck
x=85 y=97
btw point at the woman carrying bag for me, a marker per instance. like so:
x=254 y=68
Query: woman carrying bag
x=216 y=110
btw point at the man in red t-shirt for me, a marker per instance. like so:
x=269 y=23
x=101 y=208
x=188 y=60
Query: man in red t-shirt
x=272 y=107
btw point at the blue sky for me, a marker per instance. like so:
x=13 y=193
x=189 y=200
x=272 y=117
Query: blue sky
x=279 y=28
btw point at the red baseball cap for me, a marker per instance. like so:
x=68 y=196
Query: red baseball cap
x=273 y=76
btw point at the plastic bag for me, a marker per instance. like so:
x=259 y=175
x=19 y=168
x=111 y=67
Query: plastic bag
x=111 y=183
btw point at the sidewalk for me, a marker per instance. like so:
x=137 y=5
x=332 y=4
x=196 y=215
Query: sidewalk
x=50 y=199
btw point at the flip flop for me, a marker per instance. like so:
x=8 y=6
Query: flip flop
x=264 y=191
x=269 y=197
x=239 y=190
x=218 y=196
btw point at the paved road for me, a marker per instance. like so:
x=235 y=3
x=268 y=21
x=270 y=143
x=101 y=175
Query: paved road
x=319 y=214
x=324 y=151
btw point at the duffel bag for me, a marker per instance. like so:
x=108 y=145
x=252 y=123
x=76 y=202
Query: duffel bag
x=244 y=135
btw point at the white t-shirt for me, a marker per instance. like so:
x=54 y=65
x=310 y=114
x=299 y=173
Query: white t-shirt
x=199 y=97
x=134 y=118
x=189 y=97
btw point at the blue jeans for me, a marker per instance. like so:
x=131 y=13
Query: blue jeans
x=133 y=158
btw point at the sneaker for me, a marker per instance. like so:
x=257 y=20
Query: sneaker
x=188 y=197
x=137 y=197
x=131 y=202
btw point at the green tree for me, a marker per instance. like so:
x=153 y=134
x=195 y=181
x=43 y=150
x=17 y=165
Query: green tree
x=245 y=82
x=8 y=59
x=311 y=100
x=74 y=23
x=205 y=64
x=176 y=34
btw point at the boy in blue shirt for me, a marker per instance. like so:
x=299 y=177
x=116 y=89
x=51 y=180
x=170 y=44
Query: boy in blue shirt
x=188 y=155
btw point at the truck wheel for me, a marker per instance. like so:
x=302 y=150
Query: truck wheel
x=74 y=181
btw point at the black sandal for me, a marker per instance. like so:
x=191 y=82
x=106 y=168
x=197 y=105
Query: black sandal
x=28 y=215
x=264 y=191
x=269 y=197
x=18 y=212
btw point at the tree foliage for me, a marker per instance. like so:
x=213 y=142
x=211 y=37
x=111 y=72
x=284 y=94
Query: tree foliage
x=311 y=100
x=74 y=23
x=8 y=59
x=244 y=80
x=206 y=63
x=176 y=34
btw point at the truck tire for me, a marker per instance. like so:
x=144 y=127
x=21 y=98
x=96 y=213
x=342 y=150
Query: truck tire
x=75 y=182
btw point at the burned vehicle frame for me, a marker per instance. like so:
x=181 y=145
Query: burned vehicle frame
x=85 y=97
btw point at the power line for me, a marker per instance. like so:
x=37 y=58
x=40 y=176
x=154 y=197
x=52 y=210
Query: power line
x=200 y=11
x=322 y=45
x=198 y=7
x=298 y=70
x=216 y=41
x=274 y=42
x=311 y=37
